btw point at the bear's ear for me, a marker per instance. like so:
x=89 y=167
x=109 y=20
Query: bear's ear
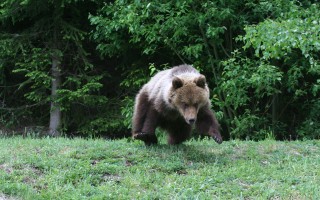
x=201 y=81
x=177 y=83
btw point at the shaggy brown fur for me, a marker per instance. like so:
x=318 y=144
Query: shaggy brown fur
x=174 y=100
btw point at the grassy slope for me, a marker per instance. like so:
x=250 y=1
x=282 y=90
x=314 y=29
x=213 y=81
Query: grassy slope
x=98 y=169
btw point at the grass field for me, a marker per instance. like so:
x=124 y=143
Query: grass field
x=120 y=169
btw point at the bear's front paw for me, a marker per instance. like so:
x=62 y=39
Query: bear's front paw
x=148 y=138
x=217 y=138
x=139 y=136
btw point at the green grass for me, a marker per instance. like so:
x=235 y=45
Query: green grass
x=99 y=169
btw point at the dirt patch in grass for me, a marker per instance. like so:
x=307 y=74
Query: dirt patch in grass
x=6 y=168
x=111 y=177
x=4 y=197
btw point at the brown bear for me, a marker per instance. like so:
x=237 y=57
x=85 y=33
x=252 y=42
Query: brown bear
x=174 y=100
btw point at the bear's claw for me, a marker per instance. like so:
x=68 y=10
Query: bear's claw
x=218 y=139
x=139 y=136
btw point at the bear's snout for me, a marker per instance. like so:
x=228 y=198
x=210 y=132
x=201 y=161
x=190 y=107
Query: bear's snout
x=192 y=121
x=190 y=115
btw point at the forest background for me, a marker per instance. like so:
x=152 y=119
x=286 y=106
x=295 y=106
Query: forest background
x=73 y=67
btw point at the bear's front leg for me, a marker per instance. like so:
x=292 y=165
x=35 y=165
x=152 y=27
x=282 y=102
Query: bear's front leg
x=148 y=126
x=207 y=123
x=140 y=112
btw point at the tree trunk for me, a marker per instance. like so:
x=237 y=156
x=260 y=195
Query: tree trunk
x=274 y=111
x=55 y=112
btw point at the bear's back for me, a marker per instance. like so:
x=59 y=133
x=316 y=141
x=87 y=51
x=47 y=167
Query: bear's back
x=165 y=77
x=184 y=70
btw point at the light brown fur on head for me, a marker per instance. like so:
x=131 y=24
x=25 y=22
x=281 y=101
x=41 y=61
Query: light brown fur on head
x=188 y=95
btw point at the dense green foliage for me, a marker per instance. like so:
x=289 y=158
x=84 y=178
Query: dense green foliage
x=261 y=60
x=277 y=88
x=34 y=34
x=98 y=169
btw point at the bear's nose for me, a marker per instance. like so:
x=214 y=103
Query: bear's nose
x=191 y=121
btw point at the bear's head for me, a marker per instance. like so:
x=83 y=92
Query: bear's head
x=188 y=95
